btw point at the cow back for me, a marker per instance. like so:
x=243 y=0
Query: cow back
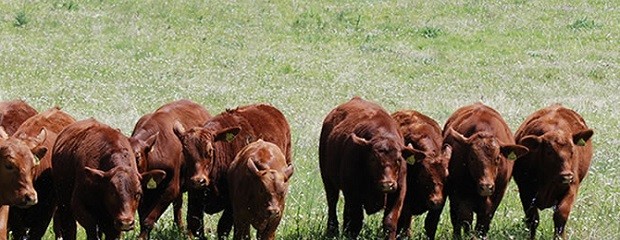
x=13 y=114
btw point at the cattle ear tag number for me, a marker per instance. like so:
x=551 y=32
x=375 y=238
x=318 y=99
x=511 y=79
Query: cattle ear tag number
x=411 y=160
x=581 y=142
x=229 y=137
x=512 y=156
x=151 y=184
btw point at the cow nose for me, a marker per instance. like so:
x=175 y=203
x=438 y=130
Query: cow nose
x=200 y=182
x=435 y=203
x=273 y=211
x=388 y=186
x=125 y=224
x=485 y=189
x=30 y=199
x=567 y=177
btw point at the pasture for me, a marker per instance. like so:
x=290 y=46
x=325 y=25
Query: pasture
x=117 y=60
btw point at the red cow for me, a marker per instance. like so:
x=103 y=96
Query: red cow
x=210 y=149
x=96 y=180
x=157 y=147
x=15 y=167
x=427 y=174
x=258 y=182
x=480 y=168
x=361 y=152
x=12 y=115
x=38 y=217
x=549 y=175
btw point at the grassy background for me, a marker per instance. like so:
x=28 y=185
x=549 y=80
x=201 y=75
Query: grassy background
x=117 y=60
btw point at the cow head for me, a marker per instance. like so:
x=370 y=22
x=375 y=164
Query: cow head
x=271 y=189
x=558 y=148
x=199 y=151
x=141 y=149
x=432 y=174
x=18 y=158
x=385 y=160
x=483 y=157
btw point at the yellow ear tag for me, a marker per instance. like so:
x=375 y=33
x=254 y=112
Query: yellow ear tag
x=36 y=160
x=151 y=184
x=512 y=156
x=229 y=137
x=581 y=142
x=411 y=160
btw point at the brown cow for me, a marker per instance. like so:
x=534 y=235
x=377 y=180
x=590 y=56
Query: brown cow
x=427 y=174
x=258 y=182
x=15 y=171
x=210 y=149
x=157 y=147
x=480 y=168
x=12 y=115
x=361 y=152
x=549 y=175
x=96 y=180
x=37 y=218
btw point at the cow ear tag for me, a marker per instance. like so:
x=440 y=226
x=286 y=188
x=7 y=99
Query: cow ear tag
x=36 y=160
x=229 y=137
x=411 y=160
x=581 y=142
x=512 y=156
x=151 y=184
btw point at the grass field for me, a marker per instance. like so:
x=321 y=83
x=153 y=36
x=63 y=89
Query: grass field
x=117 y=60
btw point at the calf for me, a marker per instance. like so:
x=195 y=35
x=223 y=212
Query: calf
x=210 y=149
x=156 y=147
x=361 y=152
x=258 y=182
x=483 y=151
x=426 y=174
x=96 y=180
x=549 y=175
x=33 y=221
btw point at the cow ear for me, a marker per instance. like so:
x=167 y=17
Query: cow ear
x=150 y=142
x=3 y=133
x=153 y=178
x=288 y=172
x=252 y=166
x=360 y=141
x=227 y=134
x=531 y=141
x=178 y=129
x=512 y=152
x=412 y=155
x=458 y=136
x=582 y=137
x=93 y=176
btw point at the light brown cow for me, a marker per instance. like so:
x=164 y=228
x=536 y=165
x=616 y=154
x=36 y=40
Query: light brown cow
x=258 y=182
x=33 y=221
x=483 y=150
x=362 y=153
x=426 y=174
x=549 y=175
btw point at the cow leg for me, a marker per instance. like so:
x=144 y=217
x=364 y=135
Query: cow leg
x=242 y=230
x=66 y=224
x=404 y=222
x=394 y=205
x=195 y=214
x=483 y=222
x=353 y=217
x=224 y=225
x=528 y=202
x=562 y=210
x=331 y=192
x=431 y=222
x=155 y=210
x=461 y=217
x=177 y=207
x=4 y=221
x=269 y=232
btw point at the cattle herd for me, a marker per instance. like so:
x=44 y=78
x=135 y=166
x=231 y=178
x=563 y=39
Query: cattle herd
x=240 y=162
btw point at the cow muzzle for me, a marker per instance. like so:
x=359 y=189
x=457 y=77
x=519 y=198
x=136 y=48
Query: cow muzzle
x=566 y=177
x=485 y=189
x=435 y=202
x=124 y=224
x=273 y=212
x=29 y=199
x=388 y=186
x=199 y=182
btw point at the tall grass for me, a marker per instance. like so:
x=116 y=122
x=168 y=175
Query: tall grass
x=117 y=60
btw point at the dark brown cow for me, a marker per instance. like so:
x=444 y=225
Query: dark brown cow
x=361 y=152
x=157 y=147
x=258 y=183
x=15 y=166
x=12 y=115
x=427 y=174
x=38 y=217
x=549 y=175
x=210 y=149
x=96 y=180
x=480 y=168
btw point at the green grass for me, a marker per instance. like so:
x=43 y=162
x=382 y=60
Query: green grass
x=117 y=60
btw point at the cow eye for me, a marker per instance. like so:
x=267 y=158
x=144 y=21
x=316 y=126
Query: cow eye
x=9 y=167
